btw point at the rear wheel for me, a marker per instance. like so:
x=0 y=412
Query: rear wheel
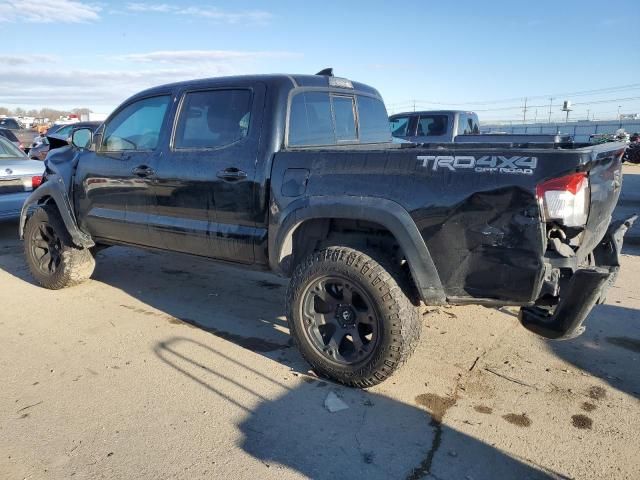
x=349 y=316
x=52 y=258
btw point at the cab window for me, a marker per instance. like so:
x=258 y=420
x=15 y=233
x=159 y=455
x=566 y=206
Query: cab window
x=399 y=126
x=137 y=126
x=468 y=125
x=213 y=119
x=432 y=125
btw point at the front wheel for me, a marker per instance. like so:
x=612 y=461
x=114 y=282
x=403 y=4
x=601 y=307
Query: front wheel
x=52 y=258
x=350 y=317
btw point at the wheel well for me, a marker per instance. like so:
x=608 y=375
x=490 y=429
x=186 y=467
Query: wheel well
x=318 y=233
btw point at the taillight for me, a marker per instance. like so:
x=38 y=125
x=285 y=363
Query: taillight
x=565 y=199
x=36 y=181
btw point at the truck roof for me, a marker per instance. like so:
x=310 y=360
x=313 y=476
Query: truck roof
x=430 y=112
x=271 y=80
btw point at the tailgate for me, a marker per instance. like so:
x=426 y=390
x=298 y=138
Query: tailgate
x=605 y=181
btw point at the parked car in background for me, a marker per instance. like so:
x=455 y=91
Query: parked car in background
x=436 y=126
x=25 y=135
x=18 y=177
x=40 y=149
x=9 y=135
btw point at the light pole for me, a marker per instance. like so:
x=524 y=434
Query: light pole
x=566 y=107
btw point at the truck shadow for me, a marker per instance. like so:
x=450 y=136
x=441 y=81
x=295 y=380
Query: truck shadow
x=608 y=349
x=375 y=437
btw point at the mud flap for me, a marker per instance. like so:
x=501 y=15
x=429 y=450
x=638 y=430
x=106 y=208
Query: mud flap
x=587 y=287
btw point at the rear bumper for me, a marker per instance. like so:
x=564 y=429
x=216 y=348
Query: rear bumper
x=587 y=287
x=11 y=204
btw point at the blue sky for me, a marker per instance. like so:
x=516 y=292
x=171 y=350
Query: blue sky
x=63 y=53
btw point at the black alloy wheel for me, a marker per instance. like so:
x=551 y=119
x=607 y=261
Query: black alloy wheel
x=340 y=320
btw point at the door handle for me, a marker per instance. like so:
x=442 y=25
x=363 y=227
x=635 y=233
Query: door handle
x=143 y=171
x=232 y=174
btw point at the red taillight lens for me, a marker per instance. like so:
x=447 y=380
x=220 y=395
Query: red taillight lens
x=565 y=199
x=36 y=181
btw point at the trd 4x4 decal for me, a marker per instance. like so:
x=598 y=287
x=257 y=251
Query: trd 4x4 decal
x=490 y=164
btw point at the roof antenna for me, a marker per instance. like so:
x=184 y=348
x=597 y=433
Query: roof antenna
x=327 y=72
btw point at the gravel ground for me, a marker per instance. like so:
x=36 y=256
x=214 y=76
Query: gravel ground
x=166 y=366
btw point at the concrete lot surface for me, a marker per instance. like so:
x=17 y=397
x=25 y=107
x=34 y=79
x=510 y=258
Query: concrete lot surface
x=166 y=366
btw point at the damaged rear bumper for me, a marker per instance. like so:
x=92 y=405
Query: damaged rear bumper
x=587 y=287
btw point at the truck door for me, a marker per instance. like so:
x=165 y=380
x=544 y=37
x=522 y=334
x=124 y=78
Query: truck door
x=206 y=195
x=114 y=183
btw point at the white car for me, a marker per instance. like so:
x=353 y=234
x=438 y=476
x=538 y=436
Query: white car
x=18 y=177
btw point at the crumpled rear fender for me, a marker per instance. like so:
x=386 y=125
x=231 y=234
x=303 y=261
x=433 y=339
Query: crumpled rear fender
x=53 y=191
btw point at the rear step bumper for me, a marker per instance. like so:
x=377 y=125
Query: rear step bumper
x=587 y=287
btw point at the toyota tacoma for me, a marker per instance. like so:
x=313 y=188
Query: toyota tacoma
x=297 y=174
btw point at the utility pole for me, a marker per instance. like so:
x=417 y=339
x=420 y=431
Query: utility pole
x=524 y=111
x=550 y=105
x=588 y=114
x=414 y=105
x=619 y=111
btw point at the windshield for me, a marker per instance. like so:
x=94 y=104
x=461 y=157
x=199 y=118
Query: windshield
x=9 y=123
x=9 y=150
x=8 y=134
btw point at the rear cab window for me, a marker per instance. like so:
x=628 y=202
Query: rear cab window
x=213 y=119
x=432 y=125
x=323 y=118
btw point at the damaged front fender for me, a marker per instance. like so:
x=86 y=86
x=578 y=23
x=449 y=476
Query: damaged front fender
x=54 y=191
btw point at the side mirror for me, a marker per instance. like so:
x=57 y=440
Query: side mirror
x=81 y=138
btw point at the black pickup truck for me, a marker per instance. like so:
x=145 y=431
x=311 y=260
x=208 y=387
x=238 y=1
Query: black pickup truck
x=297 y=174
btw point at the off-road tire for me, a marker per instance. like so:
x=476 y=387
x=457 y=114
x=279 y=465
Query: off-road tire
x=75 y=264
x=399 y=320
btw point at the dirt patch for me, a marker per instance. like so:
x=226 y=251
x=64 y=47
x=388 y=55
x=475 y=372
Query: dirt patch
x=597 y=393
x=582 y=422
x=628 y=343
x=519 y=420
x=436 y=405
x=588 y=406
x=483 y=409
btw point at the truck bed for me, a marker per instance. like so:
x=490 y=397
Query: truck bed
x=474 y=204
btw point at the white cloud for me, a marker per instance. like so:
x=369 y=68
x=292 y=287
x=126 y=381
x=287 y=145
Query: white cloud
x=150 y=7
x=204 y=12
x=24 y=59
x=198 y=56
x=45 y=87
x=60 y=11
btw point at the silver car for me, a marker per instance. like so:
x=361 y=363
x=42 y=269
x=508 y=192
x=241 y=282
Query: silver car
x=18 y=177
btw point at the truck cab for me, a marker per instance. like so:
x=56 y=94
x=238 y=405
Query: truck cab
x=433 y=126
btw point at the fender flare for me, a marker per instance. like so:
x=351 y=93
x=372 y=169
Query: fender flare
x=54 y=188
x=385 y=212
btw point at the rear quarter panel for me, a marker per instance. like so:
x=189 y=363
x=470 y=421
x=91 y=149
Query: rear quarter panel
x=482 y=229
